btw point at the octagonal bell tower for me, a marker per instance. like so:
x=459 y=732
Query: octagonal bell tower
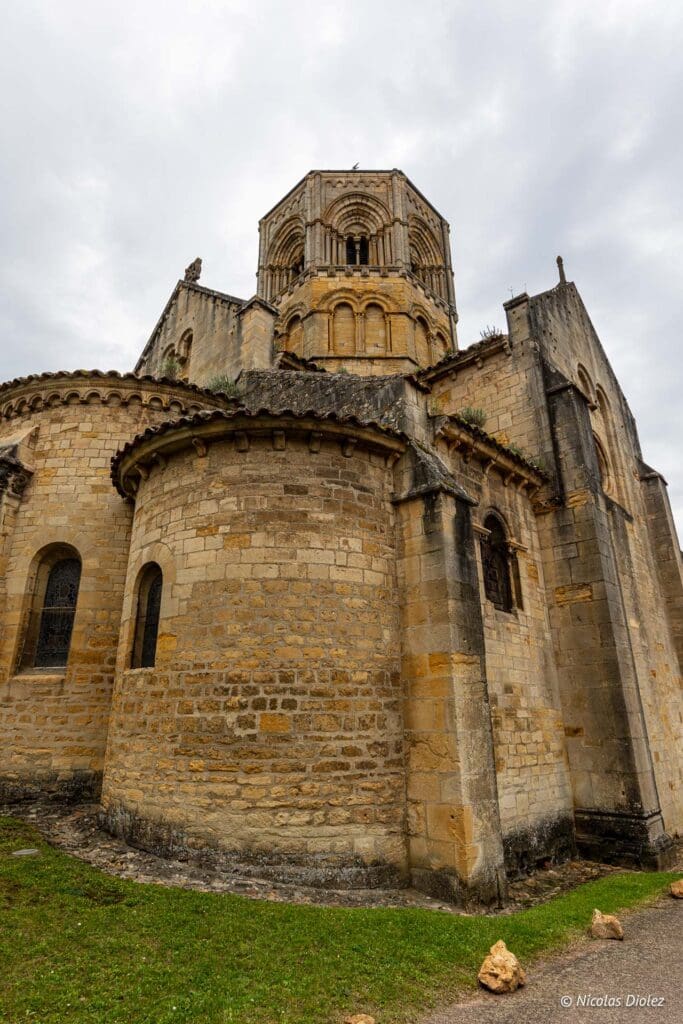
x=358 y=265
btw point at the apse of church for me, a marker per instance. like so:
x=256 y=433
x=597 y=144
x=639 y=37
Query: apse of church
x=314 y=593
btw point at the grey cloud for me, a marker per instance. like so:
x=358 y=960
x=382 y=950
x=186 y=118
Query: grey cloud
x=139 y=136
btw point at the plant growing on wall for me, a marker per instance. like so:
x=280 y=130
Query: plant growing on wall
x=490 y=332
x=170 y=368
x=477 y=417
x=531 y=459
x=222 y=384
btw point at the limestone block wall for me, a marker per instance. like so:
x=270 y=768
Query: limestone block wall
x=365 y=320
x=53 y=723
x=625 y=549
x=199 y=330
x=500 y=376
x=532 y=770
x=453 y=822
x=270 y=728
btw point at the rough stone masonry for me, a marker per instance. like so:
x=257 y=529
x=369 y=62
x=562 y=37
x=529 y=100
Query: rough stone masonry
x=315 y=593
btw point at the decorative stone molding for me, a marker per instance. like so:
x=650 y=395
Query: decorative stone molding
x=28 y=395
x=476 y=354
x=135 y=459
x=472 y=442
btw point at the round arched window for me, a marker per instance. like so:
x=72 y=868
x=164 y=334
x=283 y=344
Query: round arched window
x=496 y=564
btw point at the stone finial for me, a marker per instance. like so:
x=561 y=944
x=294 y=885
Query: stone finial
x=194 y=271
x=560 y=267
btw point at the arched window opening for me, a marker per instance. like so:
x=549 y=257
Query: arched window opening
x=297 y=267
x=357 y=251
x=350 y=251
x=603 y=465
x=55 y=593
x=147 y=617
x=441 y=345
x=495 y=562
x=184 y=351
x=585 y=384
x=602 y=400
x=344 y=330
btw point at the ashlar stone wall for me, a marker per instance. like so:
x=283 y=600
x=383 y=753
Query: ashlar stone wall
x=609 y=534
x=199 y=333
x=270 y=728
x=53 y=723
x=532 y=771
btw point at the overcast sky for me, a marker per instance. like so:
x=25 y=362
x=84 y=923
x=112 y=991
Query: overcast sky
x=138 y=136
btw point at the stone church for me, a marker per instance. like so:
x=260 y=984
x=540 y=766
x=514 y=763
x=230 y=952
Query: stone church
x=315 y=594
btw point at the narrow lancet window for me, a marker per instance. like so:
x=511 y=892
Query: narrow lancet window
x=147 y=617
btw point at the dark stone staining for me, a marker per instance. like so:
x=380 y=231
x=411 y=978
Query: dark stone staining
x=446 y=886
x=80 y=786
x=527 y=849
x=316 y=870
x=634 y=840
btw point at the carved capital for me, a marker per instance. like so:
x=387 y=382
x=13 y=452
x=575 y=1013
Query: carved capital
x=14 y=476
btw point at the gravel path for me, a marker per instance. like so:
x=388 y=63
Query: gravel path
x=648 y=963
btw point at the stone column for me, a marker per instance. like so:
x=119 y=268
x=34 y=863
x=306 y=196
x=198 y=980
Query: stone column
x=14 y=477
x=455 y=844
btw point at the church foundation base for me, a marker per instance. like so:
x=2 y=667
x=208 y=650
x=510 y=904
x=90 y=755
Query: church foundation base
x=527 y=849
x=633 y=840
x=82 y=786
x=319 y=870
x=489 y=891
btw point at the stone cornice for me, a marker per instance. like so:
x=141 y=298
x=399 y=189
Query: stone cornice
x=25 y=395
x=153 y=447
x=472 y=442
x=476 y=353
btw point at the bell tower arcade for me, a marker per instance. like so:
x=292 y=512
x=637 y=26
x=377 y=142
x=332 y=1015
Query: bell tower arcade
x=358 y=265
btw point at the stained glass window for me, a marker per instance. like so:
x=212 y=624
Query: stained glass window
x=57 y=616
x=496 y=565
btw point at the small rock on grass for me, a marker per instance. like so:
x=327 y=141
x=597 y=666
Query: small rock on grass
x=501 y=970
x=360 y=1018
x=605 y=926
x=677 y=889
x=32 y=852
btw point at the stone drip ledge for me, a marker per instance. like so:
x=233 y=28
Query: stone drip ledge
x=74 y=829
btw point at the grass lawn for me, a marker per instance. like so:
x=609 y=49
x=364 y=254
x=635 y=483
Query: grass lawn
x=77 y=945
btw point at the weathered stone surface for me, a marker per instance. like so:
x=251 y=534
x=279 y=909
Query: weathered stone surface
x=501 y=970
x=390 y=645
x=677 y=889
x=605 y=926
